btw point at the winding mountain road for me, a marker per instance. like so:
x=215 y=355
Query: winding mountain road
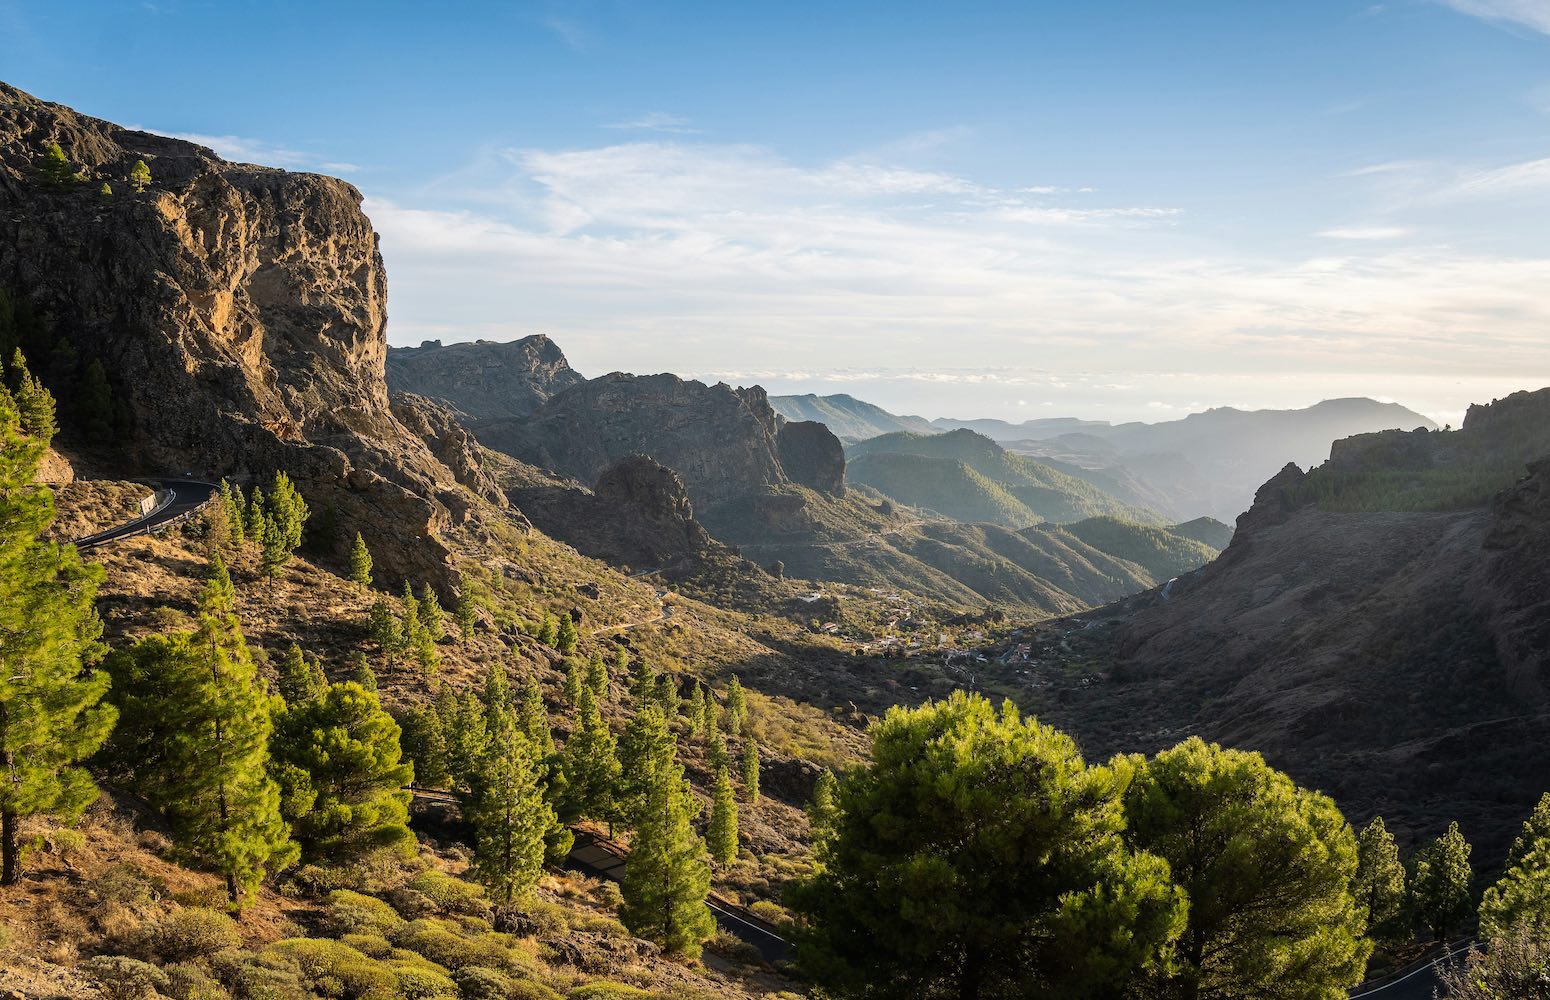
x=176 y=498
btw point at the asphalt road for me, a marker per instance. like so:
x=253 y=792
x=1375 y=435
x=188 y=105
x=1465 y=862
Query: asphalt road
x=179 y=497
x=1418 y=982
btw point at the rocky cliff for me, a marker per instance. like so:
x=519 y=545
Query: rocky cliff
x=725 y=443
x=483 y=380
x=239 y=314
x=1399 y=659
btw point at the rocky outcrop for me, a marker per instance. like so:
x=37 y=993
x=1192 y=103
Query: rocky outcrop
x=810 y=454
x=239 y=313
x=637 y=515
x=483 y=380
x=722 y=441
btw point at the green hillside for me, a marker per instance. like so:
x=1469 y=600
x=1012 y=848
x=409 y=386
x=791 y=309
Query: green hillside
x=1159 y=551
x=1047 y=492
x=1206 y=530
x=944 y=485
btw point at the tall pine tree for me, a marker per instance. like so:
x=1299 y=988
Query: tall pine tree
x=51 y=716
x=721 y=834
x=590 y=764
x=511 y=818
x=667 y=875
x=360 y=562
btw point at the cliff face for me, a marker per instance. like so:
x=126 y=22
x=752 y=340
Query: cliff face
x=725 y=443
x=239 y=313
x=483 y=380
x=1389 y=657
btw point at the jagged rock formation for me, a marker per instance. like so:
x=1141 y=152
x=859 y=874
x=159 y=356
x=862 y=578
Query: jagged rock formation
x=239 y=313
x=722 y=441
x=638 y=514
x=810 y=454
x=483 y=380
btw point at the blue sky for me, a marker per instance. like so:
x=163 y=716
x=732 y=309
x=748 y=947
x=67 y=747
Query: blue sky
x=1124 y=210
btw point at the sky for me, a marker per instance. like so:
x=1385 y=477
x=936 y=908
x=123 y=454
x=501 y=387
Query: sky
x=1016 y=210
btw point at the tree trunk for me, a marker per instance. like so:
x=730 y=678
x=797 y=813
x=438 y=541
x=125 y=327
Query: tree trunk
x=10 y=851
x=969 y=974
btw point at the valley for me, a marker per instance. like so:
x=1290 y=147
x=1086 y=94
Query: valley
x=415 y=622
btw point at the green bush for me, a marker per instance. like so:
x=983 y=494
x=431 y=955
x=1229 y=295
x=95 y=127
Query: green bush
x=597 y=923
x=127 y=885
x=188 y=934
x=418 y=983
x=478 y=983
x=370 y=945
x=611 y=991
x=337 y=970
x=123 y=978
x=734 y=949
x=772 y=912
x=189 y=982
x=353 y=912
x=527 y=989
x=450 y=894
x=437 y=942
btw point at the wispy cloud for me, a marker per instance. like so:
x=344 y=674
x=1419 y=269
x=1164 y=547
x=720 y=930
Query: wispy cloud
x=1365 y=233
x=570 y=32
x=1533 y=175
x=655 y=121
x=244 y=149
x=1534 y=14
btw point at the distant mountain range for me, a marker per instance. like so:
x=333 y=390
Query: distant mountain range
x=1207 y=463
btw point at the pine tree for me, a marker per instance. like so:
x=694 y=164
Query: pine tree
x=737 y=707
x=289 y=511
x=253 y=517
x=106 y=190
x=548 y=629
x=209 y=748
x=218 y=533
x=360 y=562
x=346 y=749
x=534 y=719
x=749 y=766
x=231 y=499
x=273 y=551
x=696 y=710
x=301 y=677
x=431 y=615
x=1439 y=883
x=646 y=742
x=1520 y=900
x=667 y=698
x=384 y=630
x=51 y=716
x=597 y=677
x=715 y=744
x=823 y=812
x=590 y=763
x=667 y=875
x=415 y=638
x=139 y=176
x=425 y=745
x=511 y=819
x=712 y=712
x=468 y=738
x=56 y=170
x=362 y=674
x=643 y=681
x=466 y=612
x=721 y=834
x=573 y=682
x=566 y=635
x=1380 y=878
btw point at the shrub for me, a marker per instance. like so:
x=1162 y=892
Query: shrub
x=127 y=885
x=436 y=942
x=265 y=976
x=411 y=904
x=353 y=912
x=734 y=949
x=188 y=934
x=450 y=894
x=124 y=978
x=370 y=945
x=611 y=991
x=418 y=983
x=335 y=969
x=597 y=923
x=772 y=912
x=527 y=989
x=608 y=895
x=189 y=982
x=478 y=983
